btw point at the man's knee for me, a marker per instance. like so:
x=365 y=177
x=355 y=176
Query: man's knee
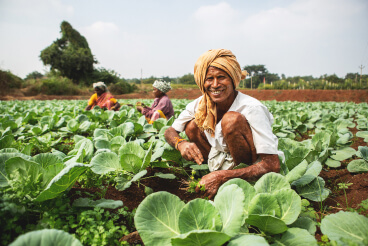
x=234 y=121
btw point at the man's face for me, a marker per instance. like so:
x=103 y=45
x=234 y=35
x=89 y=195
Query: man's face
x=219 y=85
x=157 y=93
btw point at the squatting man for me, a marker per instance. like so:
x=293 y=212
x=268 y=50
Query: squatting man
x=224 y=126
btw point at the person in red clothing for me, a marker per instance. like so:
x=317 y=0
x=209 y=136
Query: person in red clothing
x=161 y=106
x=102 y=98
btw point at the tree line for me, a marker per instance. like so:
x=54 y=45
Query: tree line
x=71 y=57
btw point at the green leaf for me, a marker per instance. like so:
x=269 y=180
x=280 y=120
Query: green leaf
x=333 y=163
x=61 y=182
x=297 y=172
x=102 y=134
x=363 y=134
x=46 y=237
x=6 y=141
x=9 y=150
x=363 y=152
x=132 y=148
x=45 y=159
x=105 y=162
x=296 y=236
x=350 y=226
x=267 y=223
x=290 y=205
x=102 y=203
x=147 y=158
x=26 y=168
x=313 y=170
x=165 y=175
x=200 y=237
x=266 y=204
x=192 y=216
x=156 y=218
x=248 y=240
x=3 y=158
x=343 y=154
x=159 y=123
x=84 y=126
x=230 y=203
x=357 y=166
x=271 y=182
x=72 y=125
x=131 y=163
x=247 y=188
x=116 y=143
x=305 y=223
x=314 y=191
x=85 y=144
x=127 y=129
x=102 y=144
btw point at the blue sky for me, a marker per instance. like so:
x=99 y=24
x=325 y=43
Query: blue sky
x=165 y=37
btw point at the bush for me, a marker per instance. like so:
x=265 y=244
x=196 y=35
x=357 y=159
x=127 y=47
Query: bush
x=122 y=88
x=105 y=75
x=34 y=75
x=52 y=86
x=9 y=81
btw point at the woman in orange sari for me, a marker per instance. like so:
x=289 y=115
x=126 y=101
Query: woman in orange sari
x=102 y=98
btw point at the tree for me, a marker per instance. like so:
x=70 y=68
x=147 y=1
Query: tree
x=70 y=55
x=260 y=73
x=187 y=79
x=34 y=75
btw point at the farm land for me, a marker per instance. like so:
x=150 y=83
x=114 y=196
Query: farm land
x=61 y=165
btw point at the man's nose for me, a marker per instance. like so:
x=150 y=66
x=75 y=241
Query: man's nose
x=215 y=83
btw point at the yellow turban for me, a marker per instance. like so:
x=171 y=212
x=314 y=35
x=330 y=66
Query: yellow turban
x=206 y=116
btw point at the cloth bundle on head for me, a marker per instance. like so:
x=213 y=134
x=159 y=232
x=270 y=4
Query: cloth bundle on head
x=101 y=85
x=162 y=85
x=206 y=116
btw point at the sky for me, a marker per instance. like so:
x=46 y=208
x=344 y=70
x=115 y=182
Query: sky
x=144 y=38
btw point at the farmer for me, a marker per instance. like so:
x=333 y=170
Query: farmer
x=161 y=106
x=225 y=127
x=102 y=98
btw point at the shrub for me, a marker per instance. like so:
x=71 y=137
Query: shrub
x=34 y=75
x=9 y=81
x=105 y=75
x=52 y=86
x=122 y=88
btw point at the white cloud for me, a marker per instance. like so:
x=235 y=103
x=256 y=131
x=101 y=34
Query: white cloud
x=216 y=21
x=310 y=33
x=101 y=27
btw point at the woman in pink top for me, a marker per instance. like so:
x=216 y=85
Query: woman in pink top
x=161 y=106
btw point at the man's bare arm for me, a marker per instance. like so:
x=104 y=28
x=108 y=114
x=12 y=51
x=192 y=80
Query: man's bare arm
x=213 y=180
x=188 y=151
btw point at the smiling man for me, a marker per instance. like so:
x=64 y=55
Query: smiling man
x=225 y=127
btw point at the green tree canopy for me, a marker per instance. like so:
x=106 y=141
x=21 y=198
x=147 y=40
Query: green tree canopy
x=259 y=73
x=70 y=55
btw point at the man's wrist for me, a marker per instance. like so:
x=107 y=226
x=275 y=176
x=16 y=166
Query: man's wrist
x=178 y=142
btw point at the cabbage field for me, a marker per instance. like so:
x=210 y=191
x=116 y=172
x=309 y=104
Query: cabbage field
x=75 y=177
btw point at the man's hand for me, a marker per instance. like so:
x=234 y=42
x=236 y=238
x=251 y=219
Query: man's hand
x=212 y=183
x=190 y=152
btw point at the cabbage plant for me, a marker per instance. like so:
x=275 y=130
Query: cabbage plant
x=270 y=205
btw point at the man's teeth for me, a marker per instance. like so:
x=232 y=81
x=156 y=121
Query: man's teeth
x=216 y=92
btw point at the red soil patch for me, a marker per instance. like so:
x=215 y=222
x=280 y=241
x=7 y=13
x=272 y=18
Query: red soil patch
x=357 y=96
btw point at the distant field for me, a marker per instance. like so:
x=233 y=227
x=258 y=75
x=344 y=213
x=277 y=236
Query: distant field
x=192 y=92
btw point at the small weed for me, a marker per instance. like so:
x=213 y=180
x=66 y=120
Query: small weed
x=344 y=187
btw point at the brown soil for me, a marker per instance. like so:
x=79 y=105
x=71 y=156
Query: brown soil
x=357 y=96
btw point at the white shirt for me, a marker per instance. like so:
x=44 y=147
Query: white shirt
x=258 y=116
